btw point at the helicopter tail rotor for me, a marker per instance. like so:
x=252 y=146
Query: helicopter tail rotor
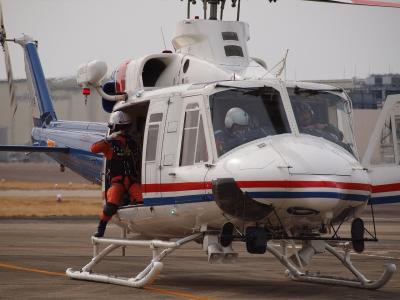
x=10 y=79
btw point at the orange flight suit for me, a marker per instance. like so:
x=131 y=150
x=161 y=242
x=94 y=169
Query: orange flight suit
x=121 y=172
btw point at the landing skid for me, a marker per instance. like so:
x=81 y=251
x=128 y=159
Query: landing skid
x=360 y=281
x=160 y=250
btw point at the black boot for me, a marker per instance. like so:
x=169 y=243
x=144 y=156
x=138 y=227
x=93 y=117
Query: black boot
x=101 y=229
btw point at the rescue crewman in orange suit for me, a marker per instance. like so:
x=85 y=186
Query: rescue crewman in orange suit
x=122 y=167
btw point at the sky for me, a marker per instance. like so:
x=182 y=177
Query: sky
x=325 y=41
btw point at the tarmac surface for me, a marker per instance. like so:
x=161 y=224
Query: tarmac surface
x=38 y=172
x=34 y=254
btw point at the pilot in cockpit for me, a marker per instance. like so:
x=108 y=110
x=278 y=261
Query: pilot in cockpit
x=237 y=130
x=309 y=124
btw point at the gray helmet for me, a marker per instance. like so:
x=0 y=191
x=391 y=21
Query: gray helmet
x=118 y=118
x=236 y=116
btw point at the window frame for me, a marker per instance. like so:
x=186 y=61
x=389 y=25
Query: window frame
x=158 y=123
x=203 y=117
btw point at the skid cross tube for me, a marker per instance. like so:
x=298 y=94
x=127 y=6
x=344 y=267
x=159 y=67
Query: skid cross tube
x=159 y=248
x=304 y=238
x=360 y=281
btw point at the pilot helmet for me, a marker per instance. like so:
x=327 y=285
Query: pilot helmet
x=236 y=116
x=119 y=120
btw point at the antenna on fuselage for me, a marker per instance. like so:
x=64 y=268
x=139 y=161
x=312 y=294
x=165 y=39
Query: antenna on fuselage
x=279 y=68
x=163 y=38
x=222 y=9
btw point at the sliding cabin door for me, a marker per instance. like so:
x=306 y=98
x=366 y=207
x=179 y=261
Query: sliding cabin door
x=153 y=140
x=186 y=152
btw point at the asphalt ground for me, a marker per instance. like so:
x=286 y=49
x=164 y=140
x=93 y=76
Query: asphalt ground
x=34 y=254
x=38 y=172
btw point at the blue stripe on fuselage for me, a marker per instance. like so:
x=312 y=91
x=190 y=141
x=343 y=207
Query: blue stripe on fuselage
x=177 y=200
x=156 y=201
x=384 y=200
x=294 y=195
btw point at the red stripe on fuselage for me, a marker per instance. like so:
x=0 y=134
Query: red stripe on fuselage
x=176 y=187
x=384 y=188
x=186 y=186
x=305 y=184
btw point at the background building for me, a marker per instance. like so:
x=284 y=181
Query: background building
x=68 y=102
x=367 y=94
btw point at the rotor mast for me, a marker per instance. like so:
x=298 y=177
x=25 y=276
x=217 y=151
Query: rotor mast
x=212 y=7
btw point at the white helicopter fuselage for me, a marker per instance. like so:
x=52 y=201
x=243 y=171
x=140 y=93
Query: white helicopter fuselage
x=232 y=152
x=287 y=169
x=309 y=181
x=297 y=180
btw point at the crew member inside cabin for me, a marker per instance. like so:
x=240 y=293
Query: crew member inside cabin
x=237 y=130
x=309 y=124
x=122 y=174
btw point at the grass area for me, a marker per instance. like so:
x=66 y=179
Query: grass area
x=48 y=206
x=18 y=185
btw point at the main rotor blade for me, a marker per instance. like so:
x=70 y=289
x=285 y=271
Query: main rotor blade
x=381 y=3
x=10 y=78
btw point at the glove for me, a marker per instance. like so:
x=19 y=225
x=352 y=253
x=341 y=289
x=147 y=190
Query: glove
x=113 y=136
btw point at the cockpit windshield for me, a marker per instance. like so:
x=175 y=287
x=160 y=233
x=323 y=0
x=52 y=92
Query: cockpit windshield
x=322 y=113
x=241 y=115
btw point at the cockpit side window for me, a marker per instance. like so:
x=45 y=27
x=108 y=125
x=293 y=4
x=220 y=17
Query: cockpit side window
x=243 y=115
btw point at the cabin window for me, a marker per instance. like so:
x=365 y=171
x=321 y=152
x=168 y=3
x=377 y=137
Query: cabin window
x=152 y=136
x=201 y=148
x=156 y=118
x=233 y=50
x=230 y=36
x=194 y=148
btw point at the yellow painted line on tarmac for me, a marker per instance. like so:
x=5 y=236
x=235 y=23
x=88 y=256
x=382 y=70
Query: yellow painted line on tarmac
x=13 y=267
x=147 y=288
x=176 y=293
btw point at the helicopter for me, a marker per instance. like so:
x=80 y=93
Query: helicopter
x=293 y=175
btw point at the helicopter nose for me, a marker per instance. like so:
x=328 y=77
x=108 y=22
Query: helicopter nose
x=324 y=177
x=309 y=155
x=297 y=175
